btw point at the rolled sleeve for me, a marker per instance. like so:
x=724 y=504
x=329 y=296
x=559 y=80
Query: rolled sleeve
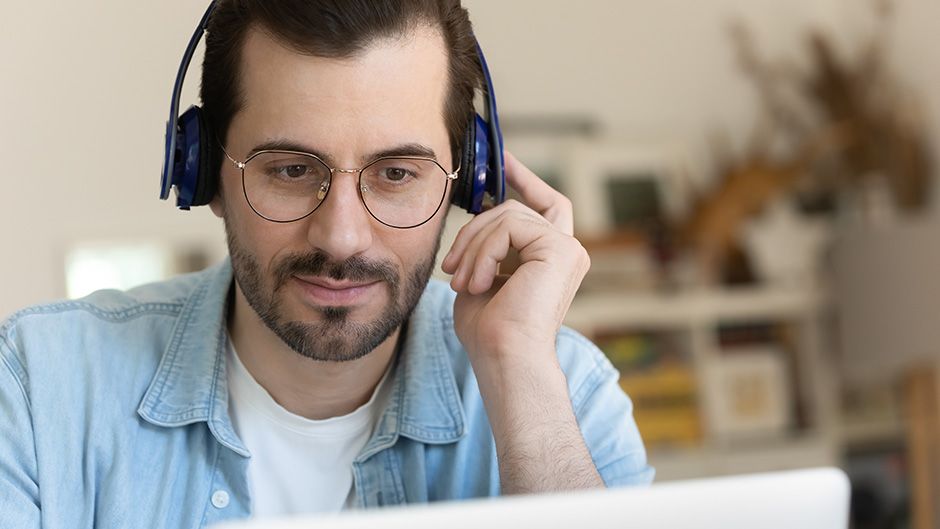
x=604 y=413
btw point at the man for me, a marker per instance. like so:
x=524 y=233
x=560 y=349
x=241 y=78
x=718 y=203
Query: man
x=319 y=369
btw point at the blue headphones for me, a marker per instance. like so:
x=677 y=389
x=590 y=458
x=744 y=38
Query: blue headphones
x=187 y=160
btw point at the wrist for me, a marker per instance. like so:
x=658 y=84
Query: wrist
x=510 y=345
x=520 y=379
x=516 y=359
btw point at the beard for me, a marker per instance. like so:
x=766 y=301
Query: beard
x=336 y=337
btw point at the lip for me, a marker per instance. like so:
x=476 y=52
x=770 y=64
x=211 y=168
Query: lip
x=327 y=292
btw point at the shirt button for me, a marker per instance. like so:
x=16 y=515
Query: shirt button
x=220 y=499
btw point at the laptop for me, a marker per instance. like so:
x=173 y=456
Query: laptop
x=804 y=499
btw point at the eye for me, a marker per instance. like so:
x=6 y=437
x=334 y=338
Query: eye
x=292 y=171
x=396 y=174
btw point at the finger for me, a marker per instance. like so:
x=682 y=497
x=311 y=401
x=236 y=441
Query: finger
x=486 y=264
x=480 y=263
x=538 y=195
x=477 y=223
x=464 y=260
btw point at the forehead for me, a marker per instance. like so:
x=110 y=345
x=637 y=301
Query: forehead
x=393 y=91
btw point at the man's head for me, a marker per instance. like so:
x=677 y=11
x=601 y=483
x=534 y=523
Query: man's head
x=345 y=80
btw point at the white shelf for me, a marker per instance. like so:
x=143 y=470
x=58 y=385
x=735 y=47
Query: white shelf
x=697 y=314
x=655 y=310
x=872 y=430
x=806 y=451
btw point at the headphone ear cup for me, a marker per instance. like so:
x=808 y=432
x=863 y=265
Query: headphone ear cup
x=207 y=178
x=481 y=170
x=463 y=186
x=188 y=159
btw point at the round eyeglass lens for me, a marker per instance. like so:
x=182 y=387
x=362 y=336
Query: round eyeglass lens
x=285 y=186
x=403 y=192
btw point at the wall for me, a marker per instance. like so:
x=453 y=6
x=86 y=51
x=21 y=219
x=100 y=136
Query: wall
x=647 y=69
x=87 y=85
x=85 y=92
x=915 y=56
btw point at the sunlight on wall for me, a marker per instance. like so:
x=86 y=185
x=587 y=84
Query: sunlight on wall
x=115 y=265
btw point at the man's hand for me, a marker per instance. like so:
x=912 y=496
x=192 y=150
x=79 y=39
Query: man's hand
x=509 y=325
x=524 y=311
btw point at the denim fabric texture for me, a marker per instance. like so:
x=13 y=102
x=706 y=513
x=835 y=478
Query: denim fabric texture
x=114 y=413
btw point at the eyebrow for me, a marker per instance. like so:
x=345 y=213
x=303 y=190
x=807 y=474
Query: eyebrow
x=405 y=149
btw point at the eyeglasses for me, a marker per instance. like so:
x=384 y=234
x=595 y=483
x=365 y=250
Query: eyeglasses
x=400 y=192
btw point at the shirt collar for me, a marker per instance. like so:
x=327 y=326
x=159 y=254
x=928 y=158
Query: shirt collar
x=190 y=383
x=424 y=403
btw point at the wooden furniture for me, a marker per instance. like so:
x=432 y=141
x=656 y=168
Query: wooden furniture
x=923 y=444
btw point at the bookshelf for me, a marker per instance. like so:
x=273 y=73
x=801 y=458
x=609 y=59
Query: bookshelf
x=707 y=327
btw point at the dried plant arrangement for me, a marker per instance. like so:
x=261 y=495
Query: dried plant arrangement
x=831 y=128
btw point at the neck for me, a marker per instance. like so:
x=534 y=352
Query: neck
x=312 y=389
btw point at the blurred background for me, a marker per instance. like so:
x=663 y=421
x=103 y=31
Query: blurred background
x=754 y=179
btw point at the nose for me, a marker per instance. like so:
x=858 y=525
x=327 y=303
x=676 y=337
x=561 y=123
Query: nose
x=341 y=226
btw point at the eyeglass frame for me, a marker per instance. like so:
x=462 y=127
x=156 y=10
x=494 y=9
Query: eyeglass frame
x=241 y=166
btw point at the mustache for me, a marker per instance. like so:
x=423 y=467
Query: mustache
x=318 y=263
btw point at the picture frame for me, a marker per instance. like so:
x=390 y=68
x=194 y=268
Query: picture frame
x=748 y=394
x=615 y=183
x=546 y=156
x=544 y=142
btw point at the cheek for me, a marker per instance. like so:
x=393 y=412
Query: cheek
x=263 y=241
x=415 y=246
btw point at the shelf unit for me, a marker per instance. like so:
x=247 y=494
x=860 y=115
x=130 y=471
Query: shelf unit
x=698 y=314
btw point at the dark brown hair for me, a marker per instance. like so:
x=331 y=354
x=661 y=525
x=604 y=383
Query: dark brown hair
x=335 y=29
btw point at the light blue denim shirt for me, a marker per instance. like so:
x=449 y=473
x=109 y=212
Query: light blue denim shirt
x=114 y=413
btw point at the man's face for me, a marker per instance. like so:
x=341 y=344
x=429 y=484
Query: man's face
x=336 y=284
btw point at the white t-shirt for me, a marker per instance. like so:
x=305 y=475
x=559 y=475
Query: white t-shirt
x=297 y=465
